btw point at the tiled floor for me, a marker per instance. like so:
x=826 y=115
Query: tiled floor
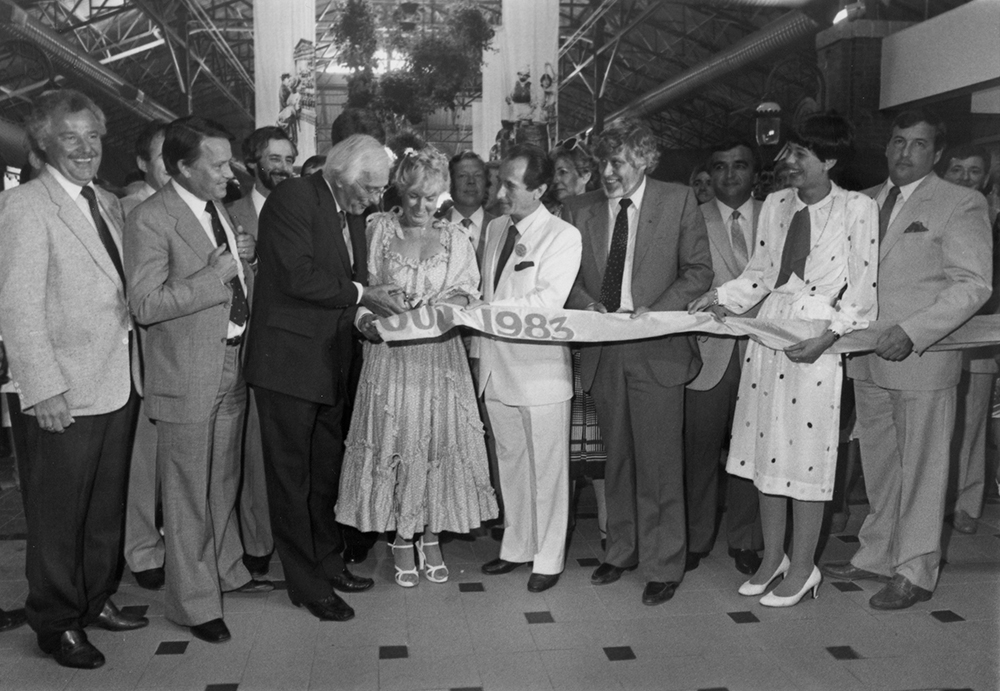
x=483 y=632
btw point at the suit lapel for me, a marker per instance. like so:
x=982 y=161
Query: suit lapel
x=83 y=228
x=188 y=226
x=493 y=242
x=328 y=207
x=718 y=235
x=646 y=230
x=912 y=210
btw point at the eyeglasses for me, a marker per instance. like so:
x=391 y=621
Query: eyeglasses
x=572 y=144
x=370 y=190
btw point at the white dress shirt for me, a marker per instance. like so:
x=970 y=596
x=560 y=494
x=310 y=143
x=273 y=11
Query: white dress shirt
x=904 y=193
x=614 y=206
x=474 y=231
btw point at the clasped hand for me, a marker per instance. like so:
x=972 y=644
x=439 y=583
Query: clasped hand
x=809 y=350
x=707 y=303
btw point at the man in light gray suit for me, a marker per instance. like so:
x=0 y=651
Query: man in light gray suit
x=189 y=290
x=709 y=401
x=66 y=328
x=935 y=270
x=270 y=154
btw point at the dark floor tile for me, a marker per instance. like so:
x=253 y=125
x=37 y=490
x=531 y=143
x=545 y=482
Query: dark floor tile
x=848 y=538
x=466 y=688
x=946 y=616
x=13 y=536
x=135 y=610
x=589 y=561
x=843 y=652
x=222 y=687
x=539 y=617
x=172 y=648
x=715 y=688
x=392 y=652
x=471 y=588
x=619 y=653
x=744 y=617
x=846 y=586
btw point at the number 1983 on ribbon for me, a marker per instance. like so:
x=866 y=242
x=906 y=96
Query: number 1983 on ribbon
x=532 y=326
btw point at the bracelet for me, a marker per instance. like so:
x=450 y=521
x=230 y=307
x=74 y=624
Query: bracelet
x=715 y=297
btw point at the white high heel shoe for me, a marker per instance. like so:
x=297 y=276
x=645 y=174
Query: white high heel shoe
x=407 y=578
x=812 y=583
x=434 y=574
x=750 y=589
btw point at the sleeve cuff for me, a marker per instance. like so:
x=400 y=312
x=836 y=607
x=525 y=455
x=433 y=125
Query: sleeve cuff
x=361 y=291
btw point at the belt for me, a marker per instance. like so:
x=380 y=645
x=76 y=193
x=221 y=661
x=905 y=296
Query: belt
x=235 y=340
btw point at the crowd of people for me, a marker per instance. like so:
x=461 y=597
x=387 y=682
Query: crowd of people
x=212 y=375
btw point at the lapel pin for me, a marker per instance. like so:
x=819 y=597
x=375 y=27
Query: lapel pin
x=520 y=250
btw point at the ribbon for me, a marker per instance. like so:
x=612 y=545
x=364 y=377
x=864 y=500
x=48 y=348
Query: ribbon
x=583 y=326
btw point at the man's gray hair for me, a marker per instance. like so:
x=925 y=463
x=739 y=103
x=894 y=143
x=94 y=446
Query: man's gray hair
x=633 y=138
x=348 y=160
x=52 y=104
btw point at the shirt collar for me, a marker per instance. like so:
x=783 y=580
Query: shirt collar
x=476 y=217
x=726 y=211
x=905 y=190
x=635 y=197
x=72 y=188
x=197 y=205
x=258 y=199
x=528 y=221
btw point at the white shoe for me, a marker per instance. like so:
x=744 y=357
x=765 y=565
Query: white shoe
x=407 y=578
x=812 y=583
x=749 y=588
x=434 y=574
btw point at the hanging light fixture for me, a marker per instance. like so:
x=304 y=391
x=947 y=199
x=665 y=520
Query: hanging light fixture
x=768 y=124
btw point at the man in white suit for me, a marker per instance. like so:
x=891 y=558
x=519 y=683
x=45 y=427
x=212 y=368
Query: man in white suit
x=935 y=269
x=66 y=327
x=709 y=401
x=531 y=259
x=270 y=154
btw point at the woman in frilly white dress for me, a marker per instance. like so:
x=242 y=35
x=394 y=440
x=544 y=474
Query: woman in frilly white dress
x=817 y=259
x=416 y=455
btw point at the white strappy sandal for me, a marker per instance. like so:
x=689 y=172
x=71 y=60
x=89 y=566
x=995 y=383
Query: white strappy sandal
x=434 y=574
x=407 y=578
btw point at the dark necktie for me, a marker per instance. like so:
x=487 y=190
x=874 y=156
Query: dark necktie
x=103 y=232
x=508 y=248
x=885 y=213
x=796 y=250
x=739 y=242
x=238 y=310
x=614 y=272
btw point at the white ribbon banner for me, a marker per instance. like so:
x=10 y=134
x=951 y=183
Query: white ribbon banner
x=577 y=326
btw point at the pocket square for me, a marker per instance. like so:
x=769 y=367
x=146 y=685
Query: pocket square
x=916 y=227
x=523 y=265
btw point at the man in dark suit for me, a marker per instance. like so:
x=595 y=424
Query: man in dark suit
x=468 y=191
x=644 y=249
x=710 y=400
x=935 y=270
x=313 y=267
x=270 y=155
x=66 y=327
x=190 y=280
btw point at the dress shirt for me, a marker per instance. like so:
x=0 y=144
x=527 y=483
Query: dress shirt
x=745 y=220
x=904 y=194
x=258 y=200
x=614 y=206
x=197 y=207
x=473 y=232
x=347 y=237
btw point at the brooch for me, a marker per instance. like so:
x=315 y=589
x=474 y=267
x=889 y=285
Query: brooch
x=520 y=250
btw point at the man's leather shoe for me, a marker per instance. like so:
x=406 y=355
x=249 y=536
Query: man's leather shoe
x=658 y=592
x=539 y=582
x=332 y=608
x=847 y=571
x=112 y=619
x=899 y=594
x=693 y=559
x=254 y=586
x=608 y=573
x=355 y=554
x=257 y=566
x=214 y=631
x=963 y=522
x=347 y=582
x=74 y=650
x=150 y=579
x=747 y=561
x=499 y=566
x=11 y=619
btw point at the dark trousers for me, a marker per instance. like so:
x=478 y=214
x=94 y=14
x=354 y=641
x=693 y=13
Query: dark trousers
x=74 y=508
x=303 y=450
x=708 y=419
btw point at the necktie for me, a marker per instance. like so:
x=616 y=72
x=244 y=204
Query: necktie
x=345 y=229
x=508 y=248
x=614 y=272
x=885 y=213
x=238 y=311
x=739 y=242
x=796 y=250
x=103 y=232
x=466 y=223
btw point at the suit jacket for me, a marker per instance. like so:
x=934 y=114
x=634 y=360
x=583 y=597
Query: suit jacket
x=244 y=213
x=300 y=340
x=935 y=271
x=672 y=266
x=63 y=314
x=136 y=198
x=541 y=276
x=716 y=351
x=181 y=302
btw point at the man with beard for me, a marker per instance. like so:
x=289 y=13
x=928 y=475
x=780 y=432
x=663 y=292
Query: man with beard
x=270 y=155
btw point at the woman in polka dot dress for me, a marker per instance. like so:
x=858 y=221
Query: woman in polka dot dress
x=816 y=259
